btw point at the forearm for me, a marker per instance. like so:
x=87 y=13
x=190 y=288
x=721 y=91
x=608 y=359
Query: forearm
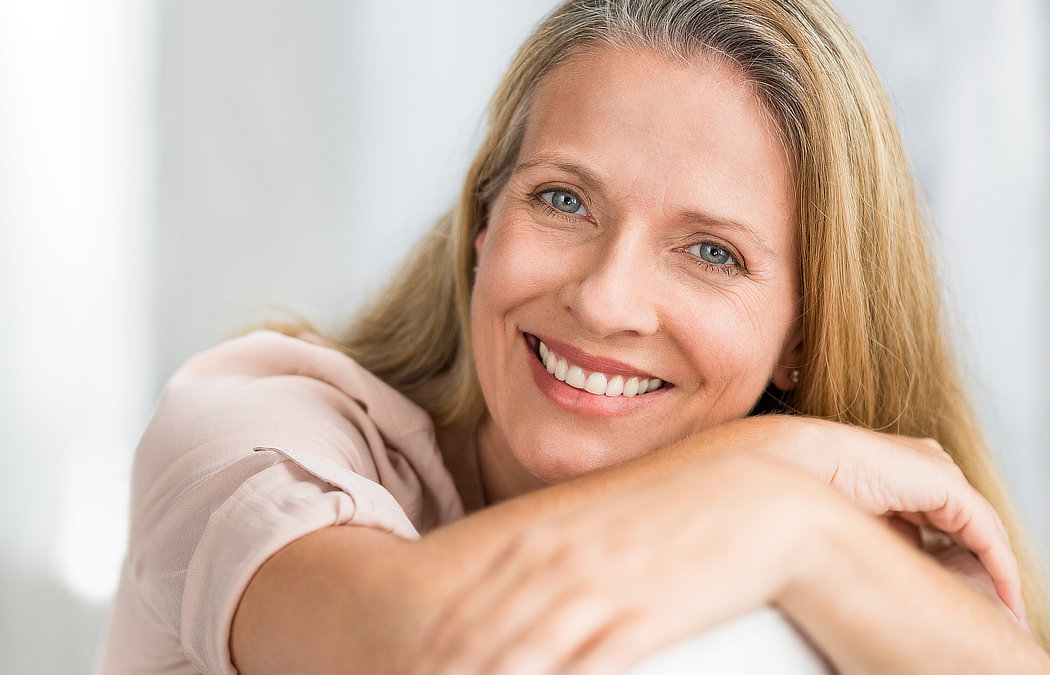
x=354 y=596
x=874 y=604
x=351 y=595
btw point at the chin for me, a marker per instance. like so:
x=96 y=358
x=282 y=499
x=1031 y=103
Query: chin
x=553 y=464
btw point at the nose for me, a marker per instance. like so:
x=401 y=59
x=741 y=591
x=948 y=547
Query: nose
x=615 y=293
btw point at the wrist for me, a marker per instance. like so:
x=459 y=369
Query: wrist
x=826 y=526
x=803 y=442
x=836 y=594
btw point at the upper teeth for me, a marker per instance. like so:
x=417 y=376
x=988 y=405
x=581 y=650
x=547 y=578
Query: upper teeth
x=595 y=382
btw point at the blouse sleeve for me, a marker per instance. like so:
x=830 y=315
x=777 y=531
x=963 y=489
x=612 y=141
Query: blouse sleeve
x=254 y=444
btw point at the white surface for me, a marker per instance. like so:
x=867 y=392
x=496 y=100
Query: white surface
x=758 y=643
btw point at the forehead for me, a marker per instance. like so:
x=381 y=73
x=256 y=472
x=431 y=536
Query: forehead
x=704 y=93
x=694 y=130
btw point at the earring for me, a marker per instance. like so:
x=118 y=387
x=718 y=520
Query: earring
x=475 y=270
x=795 y=375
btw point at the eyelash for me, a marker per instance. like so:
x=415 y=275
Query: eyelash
x=536 y=198
x=728 y=270
x=737 y=267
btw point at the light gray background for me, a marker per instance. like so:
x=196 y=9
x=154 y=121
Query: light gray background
x=171 y=172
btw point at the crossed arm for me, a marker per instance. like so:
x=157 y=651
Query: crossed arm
x=592 y=575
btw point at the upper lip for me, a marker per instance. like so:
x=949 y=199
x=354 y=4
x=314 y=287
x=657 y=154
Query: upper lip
x=593 y=363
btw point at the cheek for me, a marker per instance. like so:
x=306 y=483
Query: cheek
x=519 y=263
x=516 y=269
x=734 y=337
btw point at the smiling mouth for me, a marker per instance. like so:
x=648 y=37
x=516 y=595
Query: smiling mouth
x=595 y=382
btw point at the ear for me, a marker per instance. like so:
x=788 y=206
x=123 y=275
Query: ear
x=791 y=360
x=479 y=242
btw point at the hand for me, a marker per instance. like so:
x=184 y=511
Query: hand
x=599 y=588
x=963 y=564
x=908 y=478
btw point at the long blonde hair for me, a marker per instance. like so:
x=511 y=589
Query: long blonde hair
x=878 y=355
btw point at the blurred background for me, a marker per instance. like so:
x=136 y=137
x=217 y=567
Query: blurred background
x=173 y=172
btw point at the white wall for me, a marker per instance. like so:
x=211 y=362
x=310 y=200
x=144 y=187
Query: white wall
x=76 y=222
x=971 y=81
x=172 y=172
x=306 y=146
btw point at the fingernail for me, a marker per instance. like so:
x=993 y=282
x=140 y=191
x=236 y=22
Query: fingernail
x=1021 y=619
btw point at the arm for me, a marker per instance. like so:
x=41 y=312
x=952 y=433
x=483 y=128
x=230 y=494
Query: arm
x=303 y=609
x=875 y=604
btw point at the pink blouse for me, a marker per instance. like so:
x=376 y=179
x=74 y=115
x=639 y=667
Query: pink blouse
x=254 y=444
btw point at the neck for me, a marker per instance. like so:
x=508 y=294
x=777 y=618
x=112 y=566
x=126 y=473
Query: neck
x=502 y=475
x=460 y=454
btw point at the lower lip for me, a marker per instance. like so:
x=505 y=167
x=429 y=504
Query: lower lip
x=583 y=402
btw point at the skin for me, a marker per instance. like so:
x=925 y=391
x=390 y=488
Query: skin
x=829 y=569
x=678 y=492
x=868 y=601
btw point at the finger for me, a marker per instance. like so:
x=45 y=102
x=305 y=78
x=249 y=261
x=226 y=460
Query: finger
x=968 y=518
x=553 y=640
x=624 y=643
x=907 y=531
x=538 y=626
x=451 y=637
x=934 y=541
x=959 y=510
x=998 y=560
x=918 y=518
x=519 y=593
x=967 y=567
x=931 y=448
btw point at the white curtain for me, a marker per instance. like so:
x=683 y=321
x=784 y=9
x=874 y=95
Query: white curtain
x=172 y=172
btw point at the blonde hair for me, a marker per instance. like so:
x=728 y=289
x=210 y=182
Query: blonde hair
x=878 y=355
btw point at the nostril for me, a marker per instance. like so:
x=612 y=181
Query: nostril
x=616 y=296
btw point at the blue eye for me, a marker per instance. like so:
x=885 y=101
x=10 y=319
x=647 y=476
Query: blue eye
x=563 y=201
x=713 y=254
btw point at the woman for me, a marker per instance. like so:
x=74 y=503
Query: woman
x=684 y=214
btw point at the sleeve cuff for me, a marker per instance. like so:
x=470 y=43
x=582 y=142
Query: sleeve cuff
x=301 y=492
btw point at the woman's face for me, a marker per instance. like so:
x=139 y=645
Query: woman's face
x=646 y=234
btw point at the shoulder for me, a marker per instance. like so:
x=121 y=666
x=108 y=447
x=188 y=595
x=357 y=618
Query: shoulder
x=264 y=377
x=282 y=361
x=303 y=399
x=255 y=443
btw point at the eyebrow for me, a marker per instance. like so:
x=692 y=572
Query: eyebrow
x=689 y=216
x=704 y=218
x=569 y=167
